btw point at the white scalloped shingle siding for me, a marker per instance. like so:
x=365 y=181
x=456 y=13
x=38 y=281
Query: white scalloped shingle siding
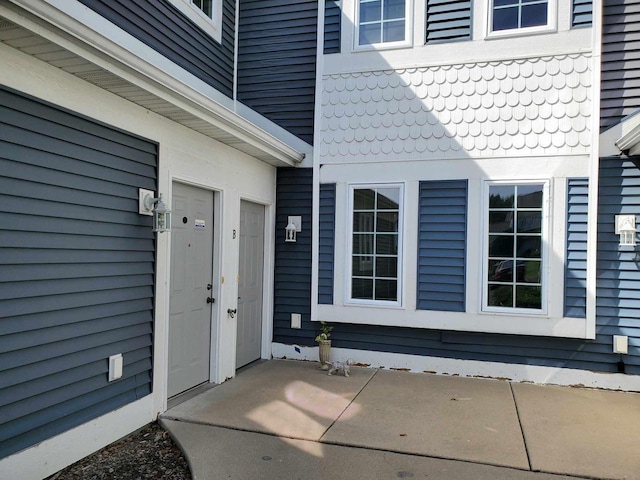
x=537 y=106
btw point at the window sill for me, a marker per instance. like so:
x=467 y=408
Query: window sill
x=521 y=32
x=381 y=47
x=528 y=325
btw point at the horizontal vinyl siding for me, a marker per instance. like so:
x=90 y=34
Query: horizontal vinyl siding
x=620 y=93
x=442 y=238
x=618 y=283
x=448 y=20
x=618 y=303
x=332 y=26
x=326 y=242
x=292 y=291
x=575 y=267
x=277 y=61
x=77 y=281
x=162 y=27
x=582 y=13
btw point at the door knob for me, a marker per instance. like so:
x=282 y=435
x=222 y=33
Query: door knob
x=209 y=286
x=210 y=300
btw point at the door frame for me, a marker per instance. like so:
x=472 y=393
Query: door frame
x=215 y=280
x=226 y=214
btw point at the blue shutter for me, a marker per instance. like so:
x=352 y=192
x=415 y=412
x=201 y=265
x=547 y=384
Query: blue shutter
x=442 y=232
x=326 y=242
x=332 y=26
x=582 y=15
x=448 y=20
x=575 y=267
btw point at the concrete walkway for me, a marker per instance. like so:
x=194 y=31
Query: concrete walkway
x=288 y=420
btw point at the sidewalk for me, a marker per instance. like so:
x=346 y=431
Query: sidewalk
x=286 y=419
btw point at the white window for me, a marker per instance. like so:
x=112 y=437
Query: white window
x=521 y=16
x=375 y=247
x=515 y=248
x=207 y=14
x=382 y=22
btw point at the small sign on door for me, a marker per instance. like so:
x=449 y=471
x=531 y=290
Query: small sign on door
x=199 y=223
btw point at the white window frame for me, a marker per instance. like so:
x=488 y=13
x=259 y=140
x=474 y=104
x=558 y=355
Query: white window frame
x=408 y=25
x=545 y=239
x=212 y=25
x=551 y=25
x=349 y=249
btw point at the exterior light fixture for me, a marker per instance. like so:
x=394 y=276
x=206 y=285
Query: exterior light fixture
x=626 y=228
x=148 y=204
x=294 y=225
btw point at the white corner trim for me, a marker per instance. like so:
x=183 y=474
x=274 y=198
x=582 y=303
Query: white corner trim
x=630 y=139
x=119 y=53
x=51 y=455
x=467 y=368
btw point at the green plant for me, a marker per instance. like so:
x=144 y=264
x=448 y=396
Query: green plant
x=325 y=333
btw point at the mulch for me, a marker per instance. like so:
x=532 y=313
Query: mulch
x=148 y=453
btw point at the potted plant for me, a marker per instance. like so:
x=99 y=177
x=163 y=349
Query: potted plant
x=324 y=345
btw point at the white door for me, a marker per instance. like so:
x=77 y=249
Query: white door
x=191 y=278
x=250 y=271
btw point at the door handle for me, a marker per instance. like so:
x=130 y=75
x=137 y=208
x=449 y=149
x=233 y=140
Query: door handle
x=209 y=286
x=232 y=313
x=210 y=300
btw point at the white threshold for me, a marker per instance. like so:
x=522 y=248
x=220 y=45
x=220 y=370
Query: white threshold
x=467 y=368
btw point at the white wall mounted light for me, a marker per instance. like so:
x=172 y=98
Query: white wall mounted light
x=148 y=204
x=626 y=228
x=294 y=225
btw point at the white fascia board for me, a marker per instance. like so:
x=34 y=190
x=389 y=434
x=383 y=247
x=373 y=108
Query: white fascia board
x=630 y=139
x=94 y=38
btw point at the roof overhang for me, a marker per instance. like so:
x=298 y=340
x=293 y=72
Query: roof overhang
x=138 y=75
x=624 y=137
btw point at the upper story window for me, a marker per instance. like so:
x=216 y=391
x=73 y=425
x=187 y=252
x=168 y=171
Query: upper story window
x=206 y=14
x=383 y=22
x=514 y=16
x=515 y=258
x=375 y=244
x=205 y=5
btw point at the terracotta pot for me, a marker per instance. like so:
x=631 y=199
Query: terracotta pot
x=325 y=351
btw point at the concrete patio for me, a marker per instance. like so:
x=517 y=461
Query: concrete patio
x=286 y=419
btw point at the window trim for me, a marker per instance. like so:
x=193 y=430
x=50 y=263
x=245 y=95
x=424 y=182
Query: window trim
x=349 y=250
x=408 y=28
x=549 y=27
x=544 y=258
x=211 y=25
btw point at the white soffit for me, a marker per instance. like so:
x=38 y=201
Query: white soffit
x=152 y=88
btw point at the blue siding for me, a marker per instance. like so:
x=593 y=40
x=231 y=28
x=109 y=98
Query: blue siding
x=277 y=61
x=575 y=267
x=326 y=242
x=162 y=27
x=77 y=281
x=582 y=14
x=292 y=291
x=442 y=238
x=332 y=26
x=620 y=83
x=618 y=285
x=448 y=20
